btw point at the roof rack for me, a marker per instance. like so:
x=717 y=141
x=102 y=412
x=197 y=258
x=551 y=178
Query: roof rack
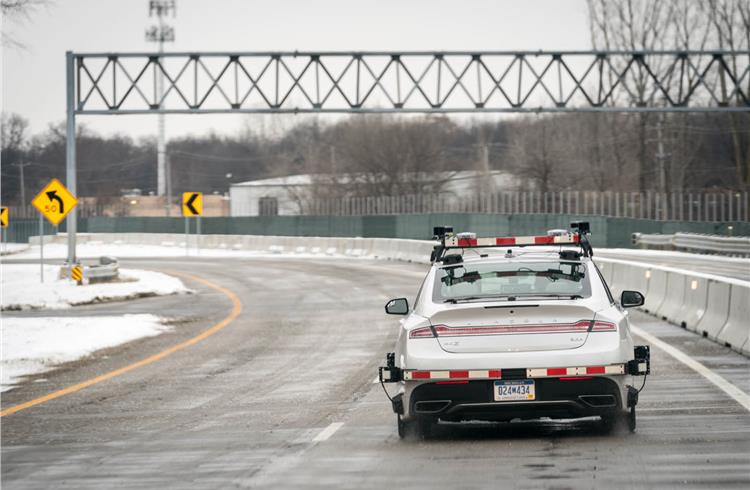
x=450 y=241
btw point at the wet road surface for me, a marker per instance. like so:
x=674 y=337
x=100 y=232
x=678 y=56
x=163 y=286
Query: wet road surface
x=283 y=397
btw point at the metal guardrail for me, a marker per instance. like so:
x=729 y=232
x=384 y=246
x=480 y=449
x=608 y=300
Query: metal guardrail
x=694 y=242
x=108 y=269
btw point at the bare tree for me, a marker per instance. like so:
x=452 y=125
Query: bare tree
x=536 y=153
x=18 y=10
x=13 y=131
x=634 y=25
x=689 y=31
x=731 y=21
x=387 y=156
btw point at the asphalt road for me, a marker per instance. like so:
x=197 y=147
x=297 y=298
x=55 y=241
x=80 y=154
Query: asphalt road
x=283 y=397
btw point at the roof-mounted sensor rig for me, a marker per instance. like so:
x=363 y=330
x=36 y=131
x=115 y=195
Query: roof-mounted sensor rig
x=449 y=240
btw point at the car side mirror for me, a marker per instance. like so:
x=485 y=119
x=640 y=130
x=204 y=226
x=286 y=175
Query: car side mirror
x=629 y=299
x=398 y=306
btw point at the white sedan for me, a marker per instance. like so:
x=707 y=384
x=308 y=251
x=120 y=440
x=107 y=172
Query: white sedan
x=499 y=331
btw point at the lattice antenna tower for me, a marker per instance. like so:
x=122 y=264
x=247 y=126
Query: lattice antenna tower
x=162 y=33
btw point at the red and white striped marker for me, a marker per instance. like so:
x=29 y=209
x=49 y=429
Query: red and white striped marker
x=459 y=242
x=416 y=375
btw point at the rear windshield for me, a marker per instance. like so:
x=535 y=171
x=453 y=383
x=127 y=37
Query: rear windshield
x=553 y=279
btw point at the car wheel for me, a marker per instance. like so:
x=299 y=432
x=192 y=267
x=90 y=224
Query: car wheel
x=420 y=428
x=631 y=419
x=424 y=427
x=404 y=428
x=613 y=421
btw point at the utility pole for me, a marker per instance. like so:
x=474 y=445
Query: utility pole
x=169 y=185
x=160 y=34
x=661 y=164
x=486 y=184
x=21 y=166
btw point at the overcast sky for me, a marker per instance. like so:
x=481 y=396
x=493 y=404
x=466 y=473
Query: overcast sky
x=34 y=78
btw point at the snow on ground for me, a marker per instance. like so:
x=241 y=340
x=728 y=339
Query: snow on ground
x=34 y=345
x=92 y=250
x=20 y=287
x=13 y=248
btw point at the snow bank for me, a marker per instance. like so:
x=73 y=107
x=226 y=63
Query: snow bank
x=94 y=250
x=98 y=249
x=21 y=288
x=34 y=345
x=13 y=248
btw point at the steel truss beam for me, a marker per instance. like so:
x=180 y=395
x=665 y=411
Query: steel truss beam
x=417 y=82
x=426 y=82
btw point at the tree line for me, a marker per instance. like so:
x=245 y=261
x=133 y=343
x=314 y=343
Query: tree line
x=391 y=155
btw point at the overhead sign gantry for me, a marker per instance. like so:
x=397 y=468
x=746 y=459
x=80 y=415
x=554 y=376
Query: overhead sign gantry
x=400 y=82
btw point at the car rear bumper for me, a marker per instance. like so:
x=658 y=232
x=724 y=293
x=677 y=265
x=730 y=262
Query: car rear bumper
x=555 y=398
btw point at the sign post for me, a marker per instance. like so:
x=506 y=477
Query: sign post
x=54 y=202
x=41 y=247
x=187 y=235
x=3 y=226
x=192 y=206
x=198 y=235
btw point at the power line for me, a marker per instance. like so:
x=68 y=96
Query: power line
x=216 y=157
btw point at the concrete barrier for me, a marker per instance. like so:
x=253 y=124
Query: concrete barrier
x=627 y=277
x=696 y=302
x=717 y=310
x=736 y=331
x=713 y=306
x=674 y=299
x=657 y=290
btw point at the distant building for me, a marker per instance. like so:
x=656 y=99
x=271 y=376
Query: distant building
x=287 y=195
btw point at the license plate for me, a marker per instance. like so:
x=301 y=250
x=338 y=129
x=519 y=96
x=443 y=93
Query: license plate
x=522 y=390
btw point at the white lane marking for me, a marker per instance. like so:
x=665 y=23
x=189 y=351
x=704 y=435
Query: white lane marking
x=376 y=380
x=739 y=396
x=326 y=433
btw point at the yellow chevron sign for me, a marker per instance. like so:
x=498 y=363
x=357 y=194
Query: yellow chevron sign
x=4 y=217
x=76 y=273
x=192 y=203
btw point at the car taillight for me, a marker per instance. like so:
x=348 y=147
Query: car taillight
x=427 y=332
x=600 y=326
x=421 y=333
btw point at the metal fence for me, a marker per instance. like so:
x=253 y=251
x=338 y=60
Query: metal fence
x=682 y=206
x=676 y=206
x=85 y=210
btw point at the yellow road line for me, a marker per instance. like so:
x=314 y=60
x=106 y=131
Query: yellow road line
x=236 y=310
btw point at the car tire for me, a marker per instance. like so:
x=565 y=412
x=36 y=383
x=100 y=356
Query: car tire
x=631 y=420
x=424 y=427
x=405 y=429
x=421 y=428
x=612 y=422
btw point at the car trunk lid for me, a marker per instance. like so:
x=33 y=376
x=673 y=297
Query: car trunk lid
x=516 y=328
